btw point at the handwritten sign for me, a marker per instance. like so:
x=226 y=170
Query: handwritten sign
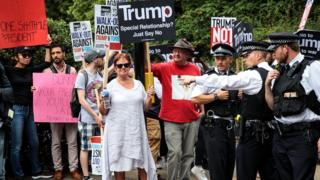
x=81 y=38
x=22 y=23
x=51 y=100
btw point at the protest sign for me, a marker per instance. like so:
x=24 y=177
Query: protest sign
x=51 y=99
x=242 y=32
x=221 y=30
x=163 y=50
x=23 y=23
x=96 y=155
x=309 y=43
x=143 y=21
x=81 y=38
x=106 y=27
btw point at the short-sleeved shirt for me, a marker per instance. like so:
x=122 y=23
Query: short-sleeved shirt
x=94 y=80
x=176 y=105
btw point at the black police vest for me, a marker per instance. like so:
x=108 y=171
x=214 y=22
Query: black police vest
x=224 y=108
x=255 y=106
x=289 y=96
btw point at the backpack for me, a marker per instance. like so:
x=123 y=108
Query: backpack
x=75 y=105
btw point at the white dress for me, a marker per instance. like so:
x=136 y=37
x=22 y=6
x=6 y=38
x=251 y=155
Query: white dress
x=125 y=143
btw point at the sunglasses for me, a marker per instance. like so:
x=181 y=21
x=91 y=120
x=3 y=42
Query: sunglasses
x=25 y=55
x=126 y=65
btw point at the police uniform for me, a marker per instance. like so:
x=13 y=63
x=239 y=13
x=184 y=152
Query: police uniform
x=253 y=153
x=296 y=96
x=217 y=124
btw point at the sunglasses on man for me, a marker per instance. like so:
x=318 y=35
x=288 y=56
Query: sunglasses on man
x=125 y=65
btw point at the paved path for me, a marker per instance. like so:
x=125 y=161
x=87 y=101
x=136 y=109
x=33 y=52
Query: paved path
x=133 y=175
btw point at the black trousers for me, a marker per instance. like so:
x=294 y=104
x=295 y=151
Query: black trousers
x=200 y=151
x=295 y=154
x=220 y=147
x=252 y=156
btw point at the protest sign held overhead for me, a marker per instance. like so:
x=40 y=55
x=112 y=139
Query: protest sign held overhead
x=107 y=27
x=51 y=100
x=163 y=50
x=81 y=38
x=23 y=23
x=309 y=43
x=221 y=30
x=144 y=21
x=242 y=32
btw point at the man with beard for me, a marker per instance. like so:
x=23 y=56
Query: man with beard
x=87 y=81
x=70 y=129
x=294 y=97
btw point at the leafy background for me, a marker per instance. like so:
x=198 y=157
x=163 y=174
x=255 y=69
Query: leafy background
x=192 y=19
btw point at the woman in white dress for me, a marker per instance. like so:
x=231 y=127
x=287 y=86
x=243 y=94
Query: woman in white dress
x=125 y=143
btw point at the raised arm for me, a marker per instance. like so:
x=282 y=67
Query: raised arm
x=268 y=83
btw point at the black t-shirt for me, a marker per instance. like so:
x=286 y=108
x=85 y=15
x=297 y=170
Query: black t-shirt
x=21 y=81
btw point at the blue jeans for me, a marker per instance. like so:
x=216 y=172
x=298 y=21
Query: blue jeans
x=24 y=126
x=2 y=155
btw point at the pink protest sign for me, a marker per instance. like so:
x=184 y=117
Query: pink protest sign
x=51 y=99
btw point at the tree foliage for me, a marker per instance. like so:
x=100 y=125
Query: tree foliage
x=193 y=17
x=265 y=16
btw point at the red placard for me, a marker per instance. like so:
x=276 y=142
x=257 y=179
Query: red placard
x=23 y=23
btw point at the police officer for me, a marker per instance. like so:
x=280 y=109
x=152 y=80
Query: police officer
x=254 y=150
x=270 y=57
x=294 y=99
x=220 y=109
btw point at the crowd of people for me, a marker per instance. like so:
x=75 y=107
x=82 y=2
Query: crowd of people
x=193 y=118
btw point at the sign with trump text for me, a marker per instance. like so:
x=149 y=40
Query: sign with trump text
x=221 y=30
x=23 y=23
x=309 y=43
x=143 y=21
x=51 y=99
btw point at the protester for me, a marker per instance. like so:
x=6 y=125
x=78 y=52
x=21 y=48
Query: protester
x=295 y=100
x=125 y=140
x=23 y=124
x=89 y=120
x=221 y=107
x=70 y=129
x=179 y=114
x=152 y=116
x=5 y=98
x=254 y=153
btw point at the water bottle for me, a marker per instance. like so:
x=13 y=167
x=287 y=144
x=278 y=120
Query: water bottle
x=106 y=96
